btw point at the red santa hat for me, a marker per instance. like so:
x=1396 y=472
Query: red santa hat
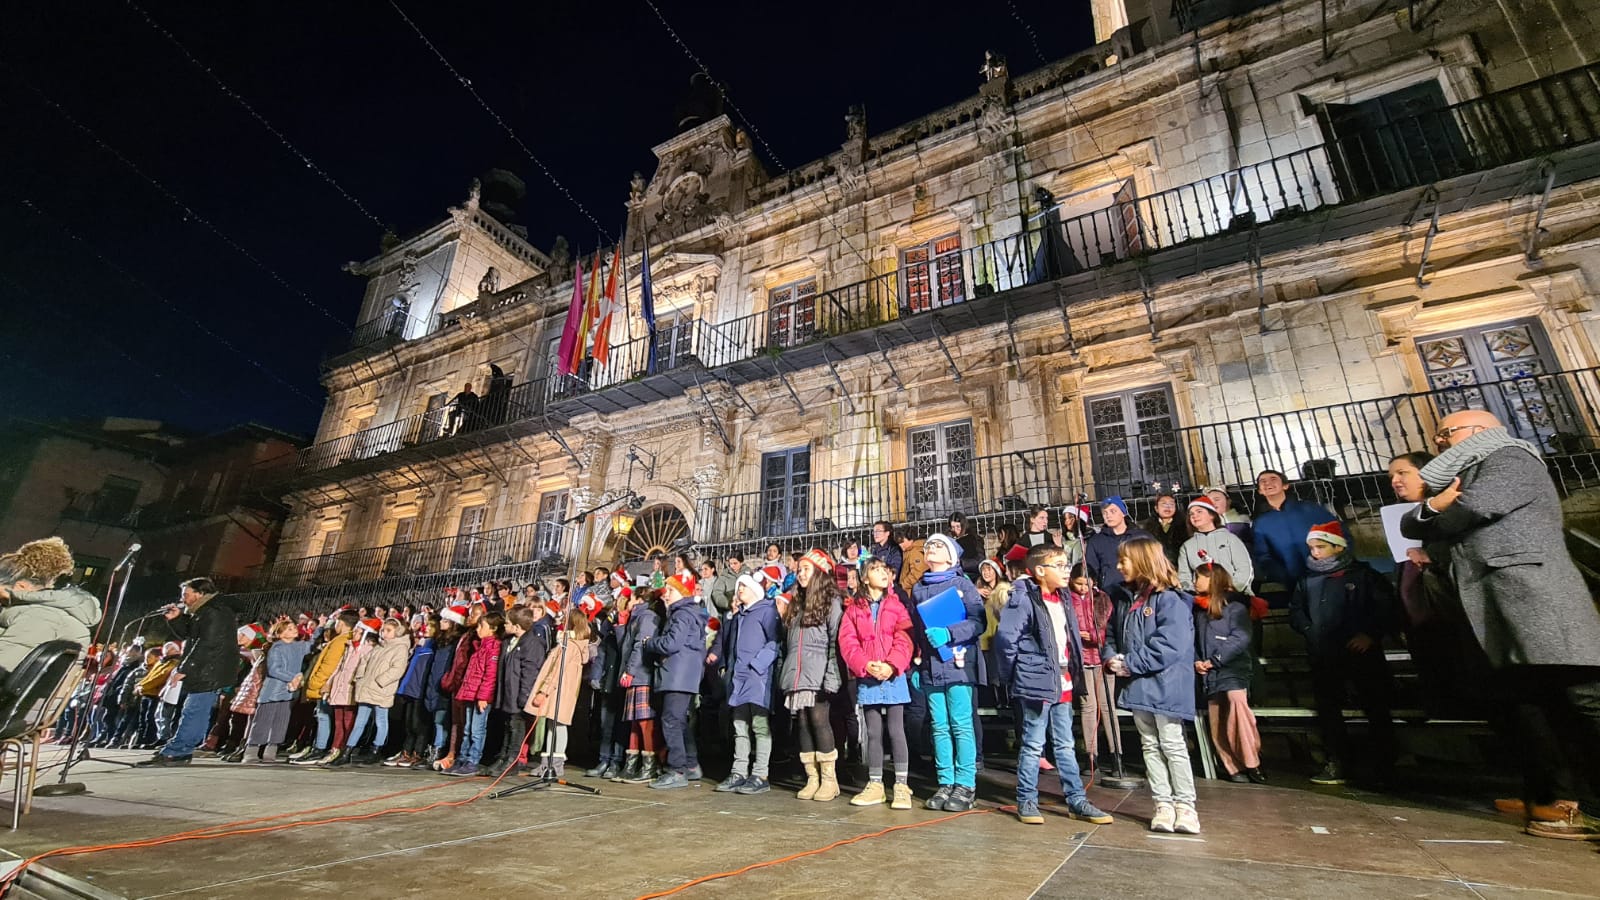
x=1204 y=502
x=818 y=558
x=371 y=625
x=456 y=614
x=1081 y=511
x=683 y=583
x=590 y=605
x=1331 y=533
x=254 y=635
x=774 y=572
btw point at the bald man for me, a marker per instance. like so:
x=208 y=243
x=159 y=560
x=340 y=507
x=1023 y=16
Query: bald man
x=1493 y=503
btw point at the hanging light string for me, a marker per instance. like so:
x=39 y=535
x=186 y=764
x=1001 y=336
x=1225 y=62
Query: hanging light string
x=722 y=92
x=49 y=306
x=188 y=211
x=32 y=207
x=1033 y=38
x=233 y=95
x=467 y=84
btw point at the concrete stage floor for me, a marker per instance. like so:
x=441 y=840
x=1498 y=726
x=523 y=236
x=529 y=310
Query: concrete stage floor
x=1276 y=841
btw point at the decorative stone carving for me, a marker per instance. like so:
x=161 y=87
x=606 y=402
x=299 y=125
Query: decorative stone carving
x=560 y=256
x=708 y=481
x=636 y=190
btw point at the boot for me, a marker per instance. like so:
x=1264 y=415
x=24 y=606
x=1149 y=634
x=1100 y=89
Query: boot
x=829 y=789
x=813 y=777
x=647 y=771
x=902 y=796
x=630 y=769
x=558 y=766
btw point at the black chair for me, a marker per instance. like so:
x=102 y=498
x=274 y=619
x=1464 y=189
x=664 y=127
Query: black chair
x=31 y=699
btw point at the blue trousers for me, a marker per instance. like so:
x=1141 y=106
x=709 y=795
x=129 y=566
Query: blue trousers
x=379 y=715
x=324 y=714
x=955 y=745
x=194 y=720
x=1039 y=717
x=472 y=735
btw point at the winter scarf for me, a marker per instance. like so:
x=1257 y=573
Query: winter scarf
x=1445 y=467
x=1330 y=564
x=932 y=577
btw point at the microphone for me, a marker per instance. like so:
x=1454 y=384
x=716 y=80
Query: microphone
x=128 y=557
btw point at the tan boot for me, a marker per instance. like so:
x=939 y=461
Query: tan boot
x=872 y=796
x=902 y=796
x=830 y=779
x=813 y=779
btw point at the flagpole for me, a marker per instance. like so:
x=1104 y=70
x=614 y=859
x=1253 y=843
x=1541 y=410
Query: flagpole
x=627 y=302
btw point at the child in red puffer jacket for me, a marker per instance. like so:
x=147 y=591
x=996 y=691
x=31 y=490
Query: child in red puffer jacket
x=476 y=692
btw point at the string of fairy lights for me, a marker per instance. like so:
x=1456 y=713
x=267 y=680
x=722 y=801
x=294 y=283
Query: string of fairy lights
x=191 y=214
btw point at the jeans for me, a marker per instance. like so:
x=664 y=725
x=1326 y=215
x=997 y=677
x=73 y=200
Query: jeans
x=955 y=748
x=750 y=726
x=1039 y=717
x=675 y=725
x=380 y=716
x=1166 y=758
x=149 y=720
x=612 y=737
x=472 y=735
x=324 y=714
x=193 y=722
x=441 y=728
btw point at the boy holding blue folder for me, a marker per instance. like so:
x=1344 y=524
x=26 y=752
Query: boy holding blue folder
x=950 y=669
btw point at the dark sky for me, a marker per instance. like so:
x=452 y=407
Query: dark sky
x=113 y=302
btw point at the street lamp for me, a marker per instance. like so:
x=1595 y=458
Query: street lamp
x=622 y=520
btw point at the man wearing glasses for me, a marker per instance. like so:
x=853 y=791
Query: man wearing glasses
x=1492 y=501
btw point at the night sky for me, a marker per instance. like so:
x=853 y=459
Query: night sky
x=114 y=302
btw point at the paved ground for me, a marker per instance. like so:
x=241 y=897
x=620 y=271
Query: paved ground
x=631 y=841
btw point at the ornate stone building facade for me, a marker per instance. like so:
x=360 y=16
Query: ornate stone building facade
x=1230 y=236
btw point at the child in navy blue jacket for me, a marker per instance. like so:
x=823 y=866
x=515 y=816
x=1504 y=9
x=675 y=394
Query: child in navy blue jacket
x=1040 y=655
x=1340 y=605
x=680 y=649
x=435 y=699
x=1151 y=649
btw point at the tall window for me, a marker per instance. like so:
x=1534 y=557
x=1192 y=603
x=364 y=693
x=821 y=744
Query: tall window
x=1134 y=439
x=1401 y=139
x=550 y=533
x=469 y=547
x=405 y=531
x=785 y=491
x=941 y=476
x=435 y=416
x=674 y=340
x=325 y=555
x=792 y=313
x=932 y=274
x=1502 y=368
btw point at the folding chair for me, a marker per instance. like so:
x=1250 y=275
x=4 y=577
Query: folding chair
x=31 y=699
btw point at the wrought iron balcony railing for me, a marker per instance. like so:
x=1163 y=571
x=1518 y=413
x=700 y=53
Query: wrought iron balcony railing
x=1350 y=444
x=531 y=542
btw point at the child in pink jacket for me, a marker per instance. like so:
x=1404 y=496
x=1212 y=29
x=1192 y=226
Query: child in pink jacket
x=875 y=645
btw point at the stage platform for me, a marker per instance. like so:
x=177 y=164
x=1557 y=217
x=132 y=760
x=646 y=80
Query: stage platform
x=1274 y=841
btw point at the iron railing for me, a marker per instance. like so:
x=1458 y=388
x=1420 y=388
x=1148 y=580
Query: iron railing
x=416 y=591
x=514 y=545
x=523 y=401
x=1351 y=443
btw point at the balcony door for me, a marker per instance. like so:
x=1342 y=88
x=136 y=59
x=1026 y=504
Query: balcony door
x=941 y=476
x=1133 y=435
x=1405 y=138
x=469 y=546
x=785 y=491
x=932 y=274
x=400 y=551
x=792 y=313
x=674 y=342
x=326 y=564
x=1505 y=369
x=552 y=513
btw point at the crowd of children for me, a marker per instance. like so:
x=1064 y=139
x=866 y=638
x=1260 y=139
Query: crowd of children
x=888 y=646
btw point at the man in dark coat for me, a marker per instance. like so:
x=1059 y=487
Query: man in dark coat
x=1494 y=504
x=1100 y=548
x=208 y=626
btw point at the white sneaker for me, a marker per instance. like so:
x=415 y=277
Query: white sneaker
x=1164 y=818
x=1188 y=821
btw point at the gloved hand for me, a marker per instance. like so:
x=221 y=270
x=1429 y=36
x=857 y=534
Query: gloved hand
x=626 y=680
x=916 y=680
x=594 y=684
x=938 y=637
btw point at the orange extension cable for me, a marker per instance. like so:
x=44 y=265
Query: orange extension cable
x=233 y=829
x=802 y=855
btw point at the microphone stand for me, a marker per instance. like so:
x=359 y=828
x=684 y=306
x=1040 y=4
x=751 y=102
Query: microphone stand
x=76 y=751
x=1117 y=778
x=547 y=778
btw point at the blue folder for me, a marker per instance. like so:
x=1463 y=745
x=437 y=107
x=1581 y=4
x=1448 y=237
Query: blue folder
x=943 y=611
